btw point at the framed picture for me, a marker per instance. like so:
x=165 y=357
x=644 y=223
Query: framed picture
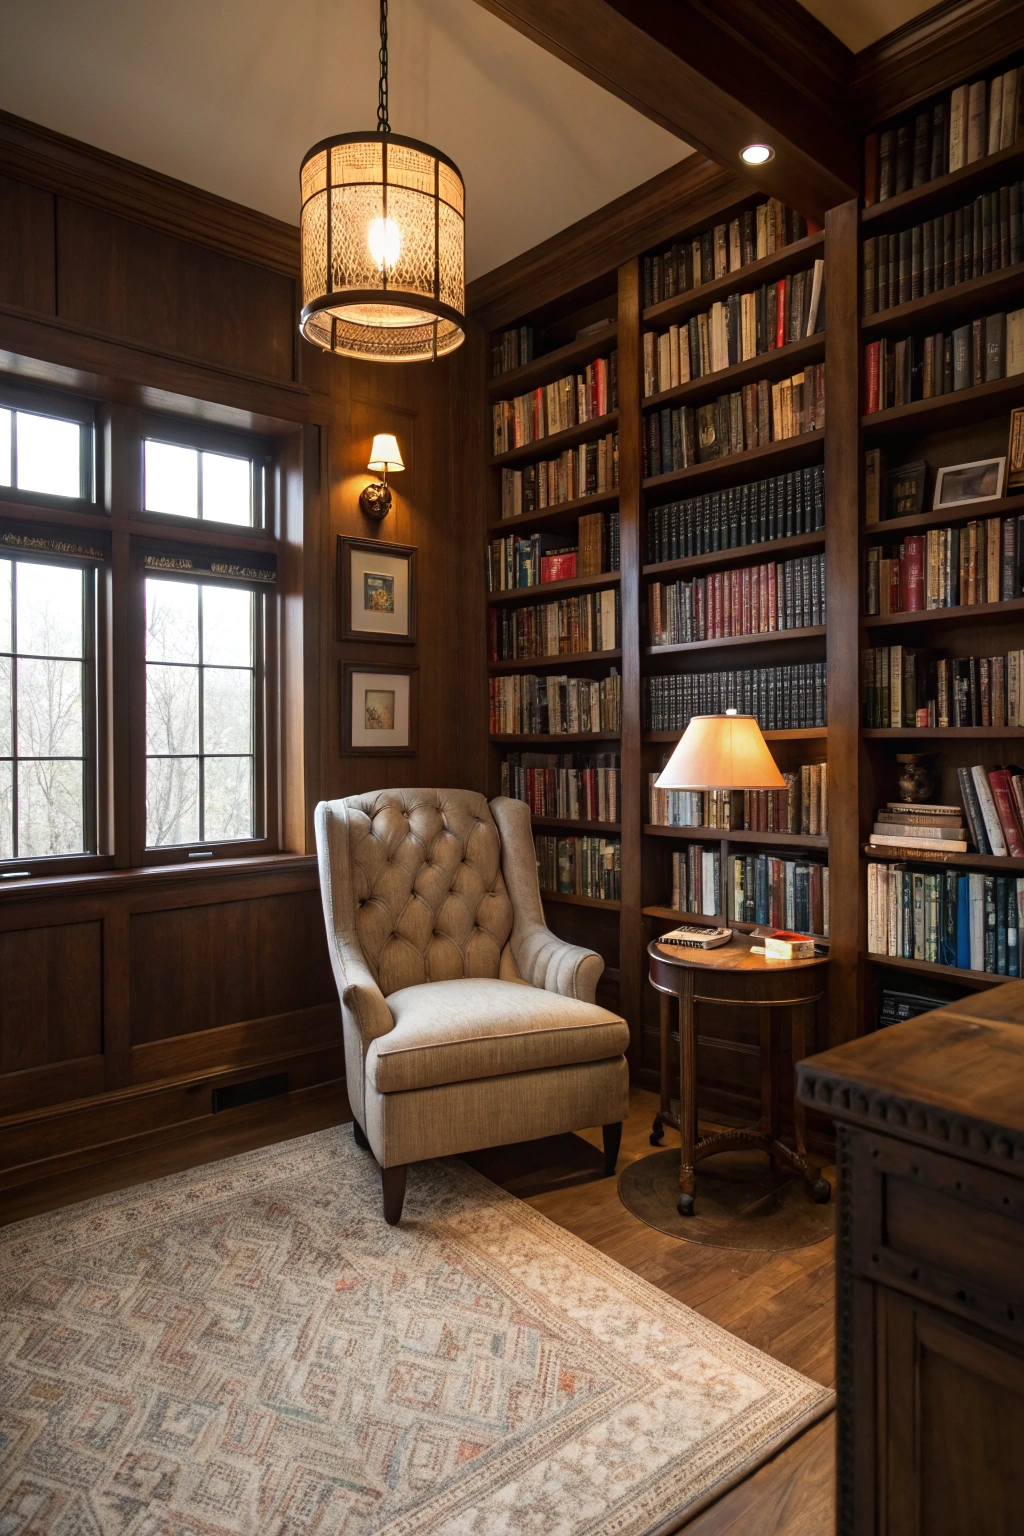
x=378 y=710
x=376 y=591
x=1015 y=451
x=960 y=483
x=904 y=489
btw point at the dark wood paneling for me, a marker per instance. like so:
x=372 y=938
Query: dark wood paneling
x=141 y=286
x=197 y=968
x=50 y=981
x=234 y=1046
x=26 y=249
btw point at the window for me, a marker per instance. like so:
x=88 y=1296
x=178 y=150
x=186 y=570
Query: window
x=47 y=455
x=184 y=481
x=202 y=652
x=44 y=715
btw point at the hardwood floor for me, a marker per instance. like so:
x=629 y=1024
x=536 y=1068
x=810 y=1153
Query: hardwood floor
x=782 y=1302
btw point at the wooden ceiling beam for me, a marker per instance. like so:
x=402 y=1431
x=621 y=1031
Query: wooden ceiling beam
x=719 y=76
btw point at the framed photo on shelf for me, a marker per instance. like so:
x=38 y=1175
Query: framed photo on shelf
x=378 y=710
x=904 y=489
x=957 y=484
x=376 y=591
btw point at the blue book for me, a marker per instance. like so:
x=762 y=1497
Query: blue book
x=963 y=923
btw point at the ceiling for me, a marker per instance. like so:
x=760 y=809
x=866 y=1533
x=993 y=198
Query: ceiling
x=229 y=94
x=858 y=23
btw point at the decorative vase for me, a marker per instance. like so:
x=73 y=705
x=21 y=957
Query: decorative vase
x=915 y=780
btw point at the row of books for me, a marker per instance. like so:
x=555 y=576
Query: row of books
x=756 y=232
x=938 y=828
x=579 y=865
x=922 y=368
x=742 y=326
x=512 y=349
x=971 y=921
x=783 y=698
x=555 y=407
x=756 y=599
x=527 y=705
x=983 y=562
x=745 y=514
x=751 y=417
x=787 y=893
x=697 y=881
x=802 y=807
x=582 y=786
x=985 y=235
x=533 y=559
x=973 y=121
x=902 y=687
x=994 y=807
x=589 y=469
x=568 y=626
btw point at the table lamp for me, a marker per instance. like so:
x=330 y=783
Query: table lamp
x=721 y=752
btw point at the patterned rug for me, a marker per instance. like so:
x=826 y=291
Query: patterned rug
x=248 y=1348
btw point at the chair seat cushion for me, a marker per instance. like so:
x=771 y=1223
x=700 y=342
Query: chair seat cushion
x=454 y=1031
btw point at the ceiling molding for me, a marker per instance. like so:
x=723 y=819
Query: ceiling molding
x=719 y=76
x=71 y=169
x=935 y=51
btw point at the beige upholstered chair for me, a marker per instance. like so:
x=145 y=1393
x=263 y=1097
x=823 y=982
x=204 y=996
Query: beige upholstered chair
x=467 y=1023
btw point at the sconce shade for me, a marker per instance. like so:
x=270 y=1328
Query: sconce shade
x=383 y=248
x=721 y=752
x=384 y=454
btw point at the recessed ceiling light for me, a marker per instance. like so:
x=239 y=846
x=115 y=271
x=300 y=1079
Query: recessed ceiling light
x=757 y=154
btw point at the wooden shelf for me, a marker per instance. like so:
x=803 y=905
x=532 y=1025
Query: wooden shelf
x=550 y=447
x=988 y=862
x=768 y=269
x=562 y=511
x=552 y=365
x=998 y=507
x=952 y=410
x=939 y=732
x=742 y=554
x=771 y=459
x=986 y=294
x=739 y=835
x=798 y=733
x=533 y=662
x=545 y=590
x=967 y=613
x=608 y=828
x=779 y=362
x=582 y=901
x=979 y=979
x=769 y=637
x=951 y=190
x=553 y=740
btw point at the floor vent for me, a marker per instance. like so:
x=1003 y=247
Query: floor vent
x=251 y=1092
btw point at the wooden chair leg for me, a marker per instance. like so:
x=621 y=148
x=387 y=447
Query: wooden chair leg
x=612 y=1140
x=392 y=1183
x=359 y=1136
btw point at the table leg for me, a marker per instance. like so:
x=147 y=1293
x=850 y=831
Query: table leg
x=658 y=1128
x=767 y=1124
x=820 y=1190
x=687 y=1093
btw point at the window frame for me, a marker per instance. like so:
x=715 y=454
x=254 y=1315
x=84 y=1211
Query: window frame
x=15 y=396
x=210 y=439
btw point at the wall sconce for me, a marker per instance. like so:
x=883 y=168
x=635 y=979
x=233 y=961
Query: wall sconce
x=384 y=455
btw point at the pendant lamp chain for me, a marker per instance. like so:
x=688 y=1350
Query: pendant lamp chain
x=383 y=125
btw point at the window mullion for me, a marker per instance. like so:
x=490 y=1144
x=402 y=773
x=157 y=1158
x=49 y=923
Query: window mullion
x=201 y=721
x=14 y=706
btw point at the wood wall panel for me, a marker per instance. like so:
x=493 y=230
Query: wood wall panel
x=50 y=995
x=134 y=283
x=234 y=1046
x=26 y=246
x=198 y=968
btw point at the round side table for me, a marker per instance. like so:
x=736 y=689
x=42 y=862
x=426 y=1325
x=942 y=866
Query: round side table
x=734 y=976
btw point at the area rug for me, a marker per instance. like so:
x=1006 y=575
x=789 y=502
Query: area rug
x=248 y=1348
x=741 y=1202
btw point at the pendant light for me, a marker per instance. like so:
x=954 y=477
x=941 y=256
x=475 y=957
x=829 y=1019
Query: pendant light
x=383 y=243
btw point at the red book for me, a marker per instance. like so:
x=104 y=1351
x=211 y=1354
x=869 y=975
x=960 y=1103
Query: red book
x=813 y=227
x=912 y=558
x=736 y=605
x=871 y=378
x=1002 y=794
x=781 y=317
x=557 y=567
x=894 y=586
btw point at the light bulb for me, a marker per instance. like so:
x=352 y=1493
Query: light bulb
x=757 y=154
x=385 y=239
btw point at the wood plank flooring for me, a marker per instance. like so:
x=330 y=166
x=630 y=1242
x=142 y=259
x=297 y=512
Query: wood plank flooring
x=781 y=1302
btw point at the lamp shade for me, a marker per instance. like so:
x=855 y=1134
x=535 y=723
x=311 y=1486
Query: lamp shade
x=384 y=454
x=721 y=752
x=383 y=248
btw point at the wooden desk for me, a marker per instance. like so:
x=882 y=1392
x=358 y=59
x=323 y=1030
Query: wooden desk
x=930 y=1287
x=733 y=975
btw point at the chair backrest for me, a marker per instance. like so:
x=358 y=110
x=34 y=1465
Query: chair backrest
x=428 y=897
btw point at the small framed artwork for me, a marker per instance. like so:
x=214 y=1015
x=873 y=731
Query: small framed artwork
x=1015 y=451
x=904 y=489
x=957 y=484
x=378 y=710
x=376 y=591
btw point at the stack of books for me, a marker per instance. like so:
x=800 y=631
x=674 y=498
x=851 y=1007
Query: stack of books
x=939 y=828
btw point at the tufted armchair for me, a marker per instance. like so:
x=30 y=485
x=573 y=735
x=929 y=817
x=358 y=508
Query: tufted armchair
x=467 y=1023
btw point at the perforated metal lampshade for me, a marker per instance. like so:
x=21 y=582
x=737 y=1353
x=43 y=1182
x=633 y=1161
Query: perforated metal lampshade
x=383 y=248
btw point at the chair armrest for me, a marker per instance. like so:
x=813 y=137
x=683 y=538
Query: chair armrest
x=540 y=956
x=362 y=1001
